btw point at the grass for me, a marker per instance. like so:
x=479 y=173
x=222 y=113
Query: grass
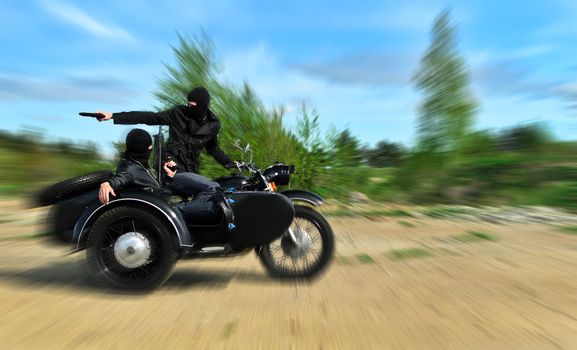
x=572 y=230
x=394 y=213
x=5 y=221
x=406 y=224
x=344 y=260
x=36 y=235
x=444 y=212
x=351 y=213
x=365 y=259
x=357 y=259
x=408 y=253
x=229 y=329
x=472 y=236
x=13 y=189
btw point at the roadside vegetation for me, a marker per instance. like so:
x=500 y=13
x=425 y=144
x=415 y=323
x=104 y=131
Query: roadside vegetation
x=572 y=230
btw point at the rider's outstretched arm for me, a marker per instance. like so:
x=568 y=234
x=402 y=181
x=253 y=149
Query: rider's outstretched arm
x=148 y=118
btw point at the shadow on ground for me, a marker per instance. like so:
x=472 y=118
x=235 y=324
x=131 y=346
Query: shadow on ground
x=77 y=276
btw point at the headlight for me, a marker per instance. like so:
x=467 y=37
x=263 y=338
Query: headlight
x=279 y=173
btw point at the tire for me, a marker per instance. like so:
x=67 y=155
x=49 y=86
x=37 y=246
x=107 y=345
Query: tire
x=66 y=188
x=109 y=259
x=312 y=221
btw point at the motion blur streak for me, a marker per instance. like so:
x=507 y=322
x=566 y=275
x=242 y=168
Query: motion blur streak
x=404 y=278
x=454 y=210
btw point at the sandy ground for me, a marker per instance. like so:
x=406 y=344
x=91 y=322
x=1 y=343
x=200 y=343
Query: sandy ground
x=518 y=292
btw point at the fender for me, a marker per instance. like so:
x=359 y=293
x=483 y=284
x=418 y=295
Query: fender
x=140 y=197
x=304 y=196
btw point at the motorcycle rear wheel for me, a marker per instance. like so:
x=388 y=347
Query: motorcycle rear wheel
x=283 y=259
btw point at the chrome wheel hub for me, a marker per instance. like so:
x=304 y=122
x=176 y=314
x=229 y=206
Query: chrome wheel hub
x=132 y=250
x=298 y=247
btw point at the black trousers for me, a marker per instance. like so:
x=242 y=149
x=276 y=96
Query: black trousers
x=204 y=207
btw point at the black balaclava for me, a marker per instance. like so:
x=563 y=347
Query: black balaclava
x=138 y=142
x=202 y=98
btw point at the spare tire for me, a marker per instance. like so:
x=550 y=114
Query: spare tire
x=66 y=188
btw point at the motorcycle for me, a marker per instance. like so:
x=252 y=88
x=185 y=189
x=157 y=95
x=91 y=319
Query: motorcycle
x=134 y=241
x=298 y=241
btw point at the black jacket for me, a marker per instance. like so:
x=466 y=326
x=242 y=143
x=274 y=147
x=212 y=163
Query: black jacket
x=187 y=137
x=130 y=173
x=133 y=174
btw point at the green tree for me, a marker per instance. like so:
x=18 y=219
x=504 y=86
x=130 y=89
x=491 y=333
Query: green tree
x=195 y=66
x=345 y=149
x=241 y=113
x=312 y=154
x=384 y=154
x=447 y=109
x=481 y=143
x=528 y=138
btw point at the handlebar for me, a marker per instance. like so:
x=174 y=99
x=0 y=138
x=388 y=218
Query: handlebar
x=244 y=166
x=241 y=165
x=92 y=115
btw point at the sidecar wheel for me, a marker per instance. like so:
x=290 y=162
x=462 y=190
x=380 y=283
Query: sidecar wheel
x=70 y=187
x=283 y=259
x=130 y=248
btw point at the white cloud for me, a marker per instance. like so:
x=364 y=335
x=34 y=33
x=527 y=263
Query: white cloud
x=509 y=91
x=487 y=56
x=15 y=87
x=371 y=69
x=81 y=19
x=372 y=113
x=531 y=51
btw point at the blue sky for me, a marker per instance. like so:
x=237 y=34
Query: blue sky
x=352 y=61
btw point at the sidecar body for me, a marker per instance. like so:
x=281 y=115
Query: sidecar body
x=259 y=218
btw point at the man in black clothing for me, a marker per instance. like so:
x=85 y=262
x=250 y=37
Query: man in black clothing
x=132 y=168
x=133 y=171
x=193 y=127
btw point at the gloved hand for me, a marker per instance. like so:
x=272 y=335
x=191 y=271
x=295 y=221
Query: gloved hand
x=232 y=165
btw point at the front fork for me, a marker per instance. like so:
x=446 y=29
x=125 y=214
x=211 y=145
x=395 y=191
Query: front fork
x=290 y=233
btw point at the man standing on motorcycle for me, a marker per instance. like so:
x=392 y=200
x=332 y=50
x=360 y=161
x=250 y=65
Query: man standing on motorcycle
x=192 y=128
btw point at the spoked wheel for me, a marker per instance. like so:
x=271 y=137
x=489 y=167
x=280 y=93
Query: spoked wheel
x=130 y=248
x=302 y=252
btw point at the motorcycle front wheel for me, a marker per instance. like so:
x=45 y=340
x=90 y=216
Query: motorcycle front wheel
x=303 y=253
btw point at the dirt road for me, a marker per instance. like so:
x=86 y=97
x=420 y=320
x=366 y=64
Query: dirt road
x=396 y=284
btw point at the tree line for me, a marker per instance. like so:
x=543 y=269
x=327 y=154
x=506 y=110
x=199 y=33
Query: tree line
x=487 y=165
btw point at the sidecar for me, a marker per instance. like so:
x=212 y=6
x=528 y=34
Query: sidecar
x=134 y=241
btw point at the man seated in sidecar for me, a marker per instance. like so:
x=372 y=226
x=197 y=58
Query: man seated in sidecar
x=133 y=171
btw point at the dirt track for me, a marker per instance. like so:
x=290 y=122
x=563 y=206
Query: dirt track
x=518 y=292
